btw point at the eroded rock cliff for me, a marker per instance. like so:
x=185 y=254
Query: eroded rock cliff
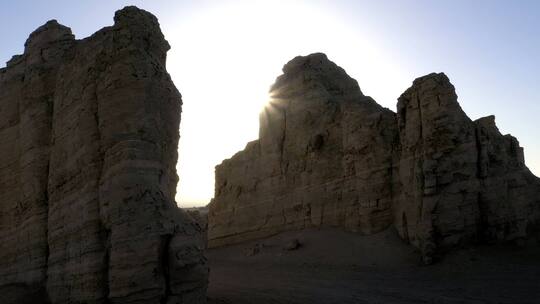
x=89 y=132
x=461 y=181
x=321 y=140
x=329 y=156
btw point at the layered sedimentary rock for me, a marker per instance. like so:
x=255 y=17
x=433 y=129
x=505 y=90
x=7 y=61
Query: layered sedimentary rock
x=329 y=156
x=89 y=132
x=461 y=180
x=323 y=158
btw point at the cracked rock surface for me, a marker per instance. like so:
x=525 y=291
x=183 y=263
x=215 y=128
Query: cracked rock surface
x=327 y=155
x=89 y=132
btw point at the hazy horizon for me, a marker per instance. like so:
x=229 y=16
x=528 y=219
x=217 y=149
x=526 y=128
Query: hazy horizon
x=225 y=55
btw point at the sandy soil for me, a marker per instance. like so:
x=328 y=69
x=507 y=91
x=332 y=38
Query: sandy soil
x=333 y=266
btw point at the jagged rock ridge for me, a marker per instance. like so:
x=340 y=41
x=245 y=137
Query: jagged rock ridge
x=329 y=156
x=89 y=132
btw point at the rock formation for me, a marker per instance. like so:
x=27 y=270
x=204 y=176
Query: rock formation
x=461 y=180
x=89 y=132
x=327 y=155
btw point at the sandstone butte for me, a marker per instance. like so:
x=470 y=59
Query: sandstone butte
x=89 y=133
x=327 y=155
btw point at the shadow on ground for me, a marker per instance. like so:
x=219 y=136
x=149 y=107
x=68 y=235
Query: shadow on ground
x=332 y=266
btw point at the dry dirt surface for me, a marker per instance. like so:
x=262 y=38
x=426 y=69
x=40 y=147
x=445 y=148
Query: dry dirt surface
x=332 y=266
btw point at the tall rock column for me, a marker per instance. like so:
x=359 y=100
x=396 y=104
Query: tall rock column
x=26 y=96
x=89 y=181
x=437 y=166
x=461 y=181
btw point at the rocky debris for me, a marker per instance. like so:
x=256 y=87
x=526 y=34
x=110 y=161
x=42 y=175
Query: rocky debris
x=89 y=132
x=293 y=244
x=255 y=249
x=327 y=155
x=199 y=215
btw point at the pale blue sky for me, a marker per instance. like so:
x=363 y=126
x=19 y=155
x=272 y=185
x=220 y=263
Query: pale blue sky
x=489 y=49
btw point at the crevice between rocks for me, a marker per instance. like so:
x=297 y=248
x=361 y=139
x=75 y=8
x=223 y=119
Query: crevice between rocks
x=106 y=265
x=106 y=239
x=482 y=223
x=164 y=264
x=50 y=113
x=282 y=143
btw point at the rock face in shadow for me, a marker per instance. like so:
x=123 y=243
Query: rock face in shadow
x=323 y=158
x=89 y=132
x=327 y=155
x=461 y=180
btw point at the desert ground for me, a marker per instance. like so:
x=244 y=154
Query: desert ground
x=332 y=266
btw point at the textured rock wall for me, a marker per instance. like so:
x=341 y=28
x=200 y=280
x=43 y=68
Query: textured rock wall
x=87 y=180
x=329 y=156
x=321 y=140
x=437 y=166
x=462 y=181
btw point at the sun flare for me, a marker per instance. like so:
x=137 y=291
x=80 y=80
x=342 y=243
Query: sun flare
x=225 y=93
